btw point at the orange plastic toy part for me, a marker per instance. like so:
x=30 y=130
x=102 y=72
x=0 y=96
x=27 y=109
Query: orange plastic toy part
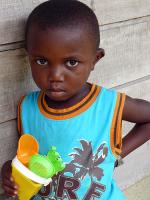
x=27 y=146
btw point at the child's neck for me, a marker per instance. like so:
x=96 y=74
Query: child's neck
x=71 y=101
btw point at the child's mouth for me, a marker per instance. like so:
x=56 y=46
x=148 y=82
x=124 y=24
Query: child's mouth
x=56 y=92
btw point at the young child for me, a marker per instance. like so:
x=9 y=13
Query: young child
x=81 y=119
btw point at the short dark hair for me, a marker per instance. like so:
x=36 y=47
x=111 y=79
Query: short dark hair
x=65 y=13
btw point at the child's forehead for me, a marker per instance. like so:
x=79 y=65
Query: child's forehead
x=56 y=40
x=56 y=33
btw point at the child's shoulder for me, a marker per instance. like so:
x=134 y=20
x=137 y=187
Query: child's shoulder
x=111 y=93
x=33 y=94
x=108 y=90
x=133 y=109
x=29 y=97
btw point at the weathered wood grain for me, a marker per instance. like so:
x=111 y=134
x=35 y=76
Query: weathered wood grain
x=109 y=11
x=135 y=167
x=127 y=48
x=12 y=46
x=13 y=14
x=14 y=81
x=8 y=141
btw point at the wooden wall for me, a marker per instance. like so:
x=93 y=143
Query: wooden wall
x=125 y=36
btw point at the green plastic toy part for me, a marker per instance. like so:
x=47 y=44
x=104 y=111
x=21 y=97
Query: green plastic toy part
x=46 y=166
x=56 y=160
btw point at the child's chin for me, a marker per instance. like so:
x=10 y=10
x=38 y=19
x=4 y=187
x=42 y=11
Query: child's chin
x=57 y=96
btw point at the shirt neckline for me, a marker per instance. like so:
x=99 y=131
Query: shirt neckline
x=66 y=113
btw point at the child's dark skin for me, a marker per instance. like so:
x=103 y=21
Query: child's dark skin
x=61 y=66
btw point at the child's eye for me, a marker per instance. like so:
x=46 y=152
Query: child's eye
x=41 y=61
x=72 y=63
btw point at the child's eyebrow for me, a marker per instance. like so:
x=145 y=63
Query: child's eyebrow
x=65 y=57
x=75 y=56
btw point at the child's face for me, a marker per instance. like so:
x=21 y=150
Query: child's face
x=61 y=60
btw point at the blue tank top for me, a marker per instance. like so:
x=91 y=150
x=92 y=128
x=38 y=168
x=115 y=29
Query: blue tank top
x=86 y=135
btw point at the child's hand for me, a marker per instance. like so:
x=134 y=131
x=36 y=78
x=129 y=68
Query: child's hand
x=8 y=184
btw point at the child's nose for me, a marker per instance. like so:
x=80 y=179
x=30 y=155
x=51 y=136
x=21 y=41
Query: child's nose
x=56 y=74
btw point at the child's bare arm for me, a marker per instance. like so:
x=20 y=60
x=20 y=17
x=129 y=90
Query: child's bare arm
x=136 y=111
x=8 y=184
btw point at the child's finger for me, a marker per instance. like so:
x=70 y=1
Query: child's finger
x=10 y=184
x=10 y=191
x=8 y=176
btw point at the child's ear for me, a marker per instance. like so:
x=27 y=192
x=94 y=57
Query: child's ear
x=99 y=54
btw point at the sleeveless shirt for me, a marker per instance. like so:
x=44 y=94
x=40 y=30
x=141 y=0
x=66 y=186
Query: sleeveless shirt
x=88 y=138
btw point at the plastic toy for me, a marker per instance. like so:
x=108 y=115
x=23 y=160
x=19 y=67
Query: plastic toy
x=46 y=166
x=27 y=146
x=29 y=183
x=31 y=170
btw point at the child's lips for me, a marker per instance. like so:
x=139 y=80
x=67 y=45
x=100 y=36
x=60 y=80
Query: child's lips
x=56 y=91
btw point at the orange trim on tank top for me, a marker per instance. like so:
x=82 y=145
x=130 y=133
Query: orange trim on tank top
x=19 y=120
x=112 y=131
x=116 y=127
x=119 y=125
x=72 y=107
x=59 y=114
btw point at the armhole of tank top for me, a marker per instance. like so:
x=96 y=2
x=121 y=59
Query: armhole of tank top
x=19 y=118
x=116 y=126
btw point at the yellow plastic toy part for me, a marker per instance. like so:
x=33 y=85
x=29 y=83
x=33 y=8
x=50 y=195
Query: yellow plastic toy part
x=27 y=188
x=28 y=183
